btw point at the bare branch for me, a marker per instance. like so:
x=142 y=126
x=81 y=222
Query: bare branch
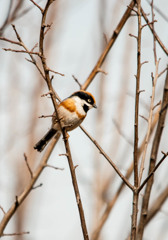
x=11 y=41
x=154 y=33
x=153 y=171
x=108 y=159
x=21 y=51
x=109 y=45
x=24 y=194
x=149 y=122
x=153 y=158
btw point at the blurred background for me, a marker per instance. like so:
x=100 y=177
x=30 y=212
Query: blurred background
x=79 y=32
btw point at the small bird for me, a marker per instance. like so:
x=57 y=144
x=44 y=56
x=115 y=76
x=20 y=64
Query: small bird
x=71 y=111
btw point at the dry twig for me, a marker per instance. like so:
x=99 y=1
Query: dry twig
x=153 y=157
x=149 y=122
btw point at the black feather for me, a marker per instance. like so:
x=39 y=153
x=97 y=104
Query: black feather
x=43 y=142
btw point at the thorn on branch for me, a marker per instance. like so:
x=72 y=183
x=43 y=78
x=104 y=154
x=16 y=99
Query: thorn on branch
x=48 y=69
x=56 y=168
x=144 y=62
x=105 y=37
x=165 y=154
x=45 y=116
x=76 y=166
x=2 y=210
x=48 y=28
x=16 y=201
x=131 y=35
x=31 y=61
x=28 y=166
x=140 y=91
x=102 y=71
x=77 y=81
x=63 y=154
x=46 y=94
x=52 y=77
x=157 y=104
x=40 y=185
x=143 y=117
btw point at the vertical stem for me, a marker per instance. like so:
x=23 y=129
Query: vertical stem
x=135 y=192
x=68 y=153
x=153 y=158
x=75 y=186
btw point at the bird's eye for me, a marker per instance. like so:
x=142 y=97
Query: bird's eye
x=89 y=100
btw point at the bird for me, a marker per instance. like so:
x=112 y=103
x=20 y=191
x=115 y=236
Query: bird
x=71 y=112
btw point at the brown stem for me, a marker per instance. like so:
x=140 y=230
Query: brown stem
x=108 y=159
x=136 y=193
x=153 y=32
x=49 y=84
x=111 y=204
x=109 y=45
x=153 y=157
x=75 y=186
x=8 y=215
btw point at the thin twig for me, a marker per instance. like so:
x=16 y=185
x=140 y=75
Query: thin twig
x=56 y=168
x=29 y=187
x=77 y=81
x=112 y=202
x=153 y=171
x=2 y=210
x=109 y=45
x=154 y=38
x=56 y=72
x=38 y=6
x=45 y=116
x=149 y=122
x=153 y=157
x=11 y=41
x=50 y=87
x=108 y=159
x=39 y=185
x=21 y=51
x=154 y=33
x=14 y=234
x=28 y=166
x=159 y=11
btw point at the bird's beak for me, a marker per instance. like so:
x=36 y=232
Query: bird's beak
x=94 y=105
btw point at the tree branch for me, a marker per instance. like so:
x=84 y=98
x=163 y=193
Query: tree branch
x=153 y=157
x=109 y=45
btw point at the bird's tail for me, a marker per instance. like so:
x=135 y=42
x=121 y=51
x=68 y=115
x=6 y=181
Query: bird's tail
x=44 y=141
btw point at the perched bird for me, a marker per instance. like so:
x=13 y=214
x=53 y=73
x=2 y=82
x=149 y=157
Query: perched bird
x=71 y=111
